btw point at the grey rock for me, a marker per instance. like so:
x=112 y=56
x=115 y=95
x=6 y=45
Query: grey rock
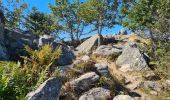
x=49 y=90
x=84 y=82
x=106 y=50
x=3 y=53
x=87 y=45
x=102 y=68
x=123 y=97
x=132 y=59
x=96 y=94
x=67 y=56
x=167 y=83
x=45 y=39
x=151 y=85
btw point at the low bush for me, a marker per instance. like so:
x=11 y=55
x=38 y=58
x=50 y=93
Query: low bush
x=17 y=79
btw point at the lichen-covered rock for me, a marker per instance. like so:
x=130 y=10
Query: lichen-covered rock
x=123 y=97
x=3 y=53
x=102 y=68
x=152 y=85
x=49 y=90
x=84 y=82
x=132 y=59
x=106 y=50
x=96 y=94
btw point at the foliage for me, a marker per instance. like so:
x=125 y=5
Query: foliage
x=40 y=23
x=151 y=14
x=16 y=80
x=66 y=13
x=14 y=13
x=99 y=13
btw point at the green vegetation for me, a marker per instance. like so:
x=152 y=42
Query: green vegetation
x=17 y=79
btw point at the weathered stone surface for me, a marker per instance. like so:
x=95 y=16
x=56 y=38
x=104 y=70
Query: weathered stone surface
x=67 y=56
x=96 y=94
x=84 y=82
x=85 y=58
x=45 y=39
x=87 y=45
x=106 y=50
x=49 y=90
x=102 y=68
x=3 y=53
x=123 y=97
x=151 y=85
x=132 y=59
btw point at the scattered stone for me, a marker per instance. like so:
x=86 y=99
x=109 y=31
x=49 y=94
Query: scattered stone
x=96 y=94
x=132 y=59
x=151 y=77
x=87 y=45
x=123 y=97
x=106 y=50
x=85 y=58
x=151 y=85
x=49 y=90
x=102 y=68
x=84 y=82
x=154 y=93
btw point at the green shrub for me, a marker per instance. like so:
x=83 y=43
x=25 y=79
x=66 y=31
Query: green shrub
x=17 y=79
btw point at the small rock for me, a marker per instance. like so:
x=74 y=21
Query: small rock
x=85 y=58
x=151 y=77
x=102 y=68
x=49 y=90
x=151 y=85
x=123 y=97
x=84 y=82
x=154 y=93
x=96 y=94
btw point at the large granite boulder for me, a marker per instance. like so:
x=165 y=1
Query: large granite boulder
x=123 y=97
x=96 y=94
x=132 y=59
x=108 y=50
x=49 y=90
x=84 y=82
x=87 y=45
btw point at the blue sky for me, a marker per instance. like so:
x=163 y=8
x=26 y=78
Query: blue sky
x=42 y=5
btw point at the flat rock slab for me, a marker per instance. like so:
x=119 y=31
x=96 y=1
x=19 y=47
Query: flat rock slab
x=87 y=45
x=107 y=50
x=96 y=94
x=123 y=97
x=84 y=82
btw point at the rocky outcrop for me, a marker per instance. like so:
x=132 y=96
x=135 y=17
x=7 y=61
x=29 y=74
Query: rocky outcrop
x=87 y=45
x=123 y=97
x=132 y=59
x=84 y=82
x=49 y=90
x=106 y=50
x=102 y=68
x=96 y=94
x=3 y=53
